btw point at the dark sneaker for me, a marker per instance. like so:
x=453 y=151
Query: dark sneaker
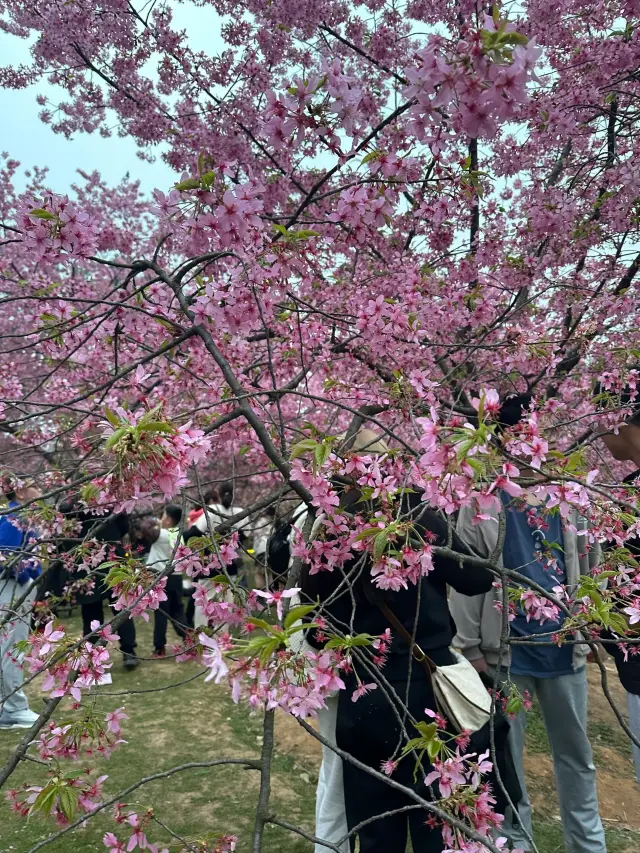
x=159 y=654
x=130 y=661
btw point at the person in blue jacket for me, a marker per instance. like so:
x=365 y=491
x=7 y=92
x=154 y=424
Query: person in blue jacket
x=18 y=571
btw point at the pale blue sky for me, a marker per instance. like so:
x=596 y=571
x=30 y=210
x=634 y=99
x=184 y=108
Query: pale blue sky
x=31 y=142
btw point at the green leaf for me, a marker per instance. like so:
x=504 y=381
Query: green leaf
x=303 y=447
x=514 y=38
x=427 y=730
x=166 y=324
x=115 y=437
x=618 y=623
x=260 y=623
x=41 y=213
x=379 y=544
x=367 y=532
x=158 y=426
x=303 y=626
x=462 y=449
x=270 y=648
x=434 y=747
x=68 y=800
x=113 y=419
x=256 y=646
x=322 y=453
x=349 y=641
x=45 y=800
x=298 y=612
x=117 y=576
x=208 y=178
x=372 y=155
x=189 y=184
x=477 y=465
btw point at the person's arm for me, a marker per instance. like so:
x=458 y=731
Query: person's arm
x=454 y=571
x=472 y=534
x=466 y=611
x=589 y=554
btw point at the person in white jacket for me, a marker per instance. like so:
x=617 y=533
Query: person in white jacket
x=215 y=514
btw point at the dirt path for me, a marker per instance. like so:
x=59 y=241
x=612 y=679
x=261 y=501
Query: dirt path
x=618 y=792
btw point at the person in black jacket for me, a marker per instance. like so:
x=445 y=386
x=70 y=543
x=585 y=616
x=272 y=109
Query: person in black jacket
x=369 y=728
x=112 y=529
x=624 y=446
x=627 y=662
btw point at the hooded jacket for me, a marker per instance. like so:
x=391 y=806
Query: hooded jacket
x=478 y=620
x=13 y=539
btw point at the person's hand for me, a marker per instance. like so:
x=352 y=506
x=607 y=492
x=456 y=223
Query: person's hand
x=480 y=665
x=591 y=658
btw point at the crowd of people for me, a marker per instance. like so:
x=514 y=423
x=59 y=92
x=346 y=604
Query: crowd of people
x=454 y=607
x=544 y=551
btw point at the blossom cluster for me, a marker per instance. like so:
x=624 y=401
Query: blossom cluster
x=54 y=227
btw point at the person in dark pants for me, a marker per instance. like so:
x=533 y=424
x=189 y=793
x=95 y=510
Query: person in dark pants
x=369 y=728
x=111 y=529
x=624 y=446
x=162 y=539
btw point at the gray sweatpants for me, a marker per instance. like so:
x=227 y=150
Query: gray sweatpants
x=633 y=704
x=563 y=702
x=16 y=630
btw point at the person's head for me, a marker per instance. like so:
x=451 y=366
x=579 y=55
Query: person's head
x=211 y=497
x=512 y=410
x=226 y=494
x=14 y=490
x=171 y=516
x=624 y=445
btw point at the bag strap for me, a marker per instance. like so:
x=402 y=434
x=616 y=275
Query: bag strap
x=418 y=654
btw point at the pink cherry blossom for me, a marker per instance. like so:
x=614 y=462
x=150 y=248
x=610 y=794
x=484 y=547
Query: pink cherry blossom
x=277 y=598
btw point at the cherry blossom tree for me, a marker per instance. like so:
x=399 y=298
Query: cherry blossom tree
x=381 y=216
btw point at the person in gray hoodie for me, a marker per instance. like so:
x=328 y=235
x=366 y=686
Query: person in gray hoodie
x=547 y=550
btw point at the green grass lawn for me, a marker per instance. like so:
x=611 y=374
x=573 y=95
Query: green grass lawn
x=199 y=722
x=193 y=722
